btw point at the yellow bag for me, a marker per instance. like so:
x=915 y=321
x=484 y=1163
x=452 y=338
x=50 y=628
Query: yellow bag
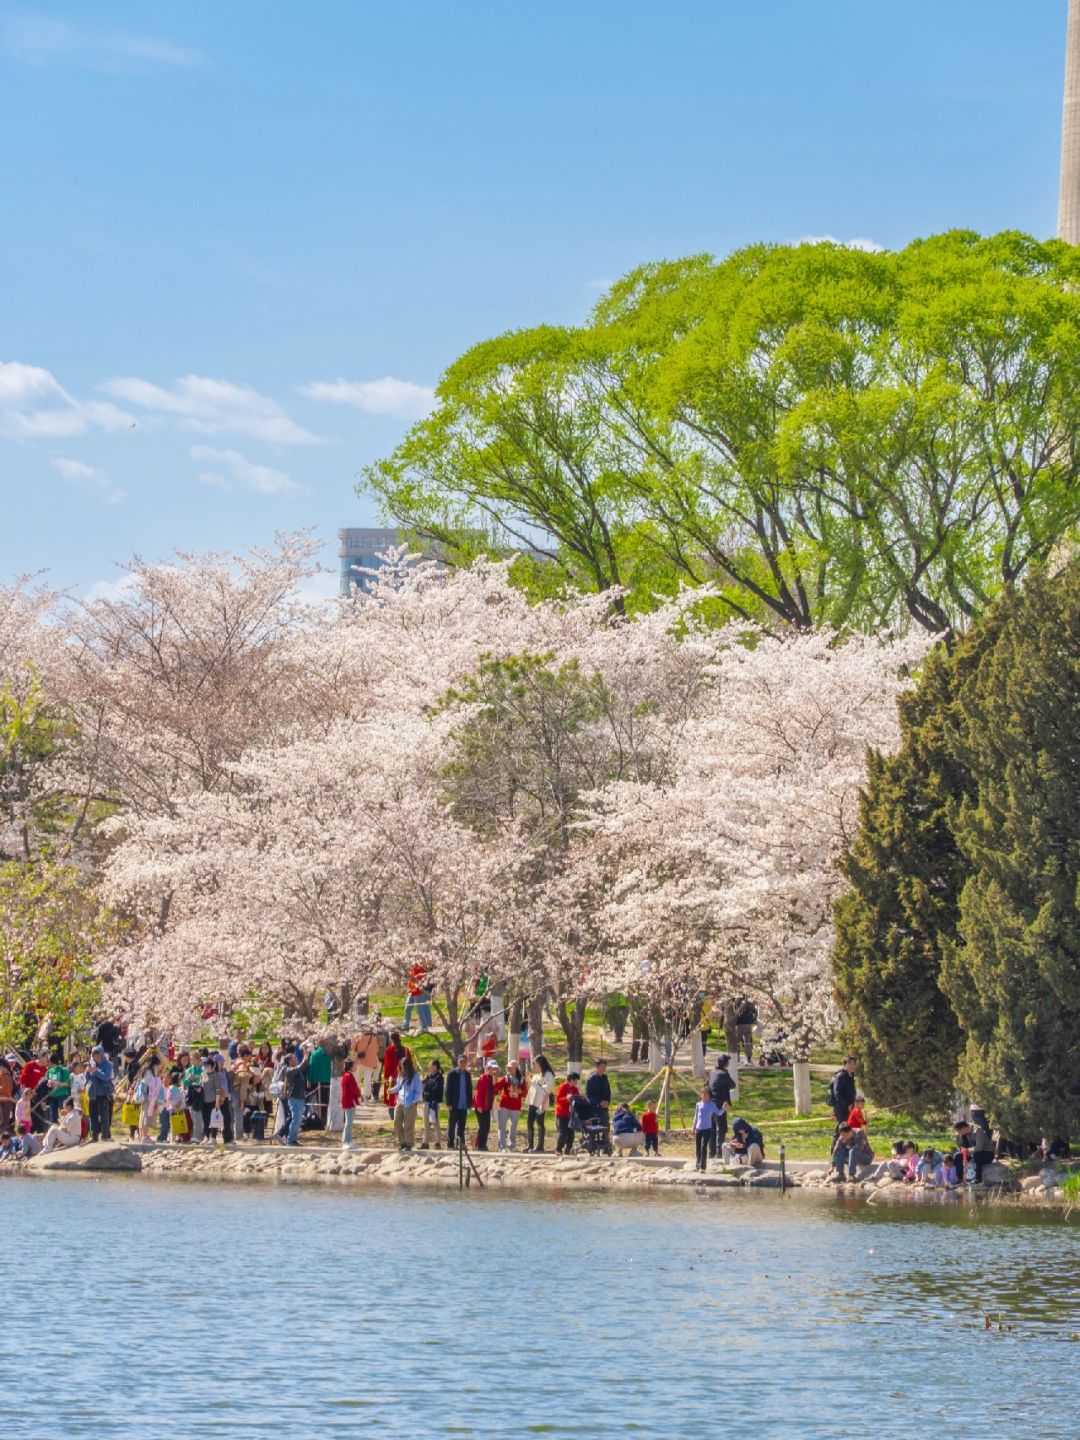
x=178 y=1123
x=129 y=1113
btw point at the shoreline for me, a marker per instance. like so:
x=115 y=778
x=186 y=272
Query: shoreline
x=515 y=1171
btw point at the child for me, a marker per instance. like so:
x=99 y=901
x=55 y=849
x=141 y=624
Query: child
x=704 y=1111
x=857 y=1115
x=564 y=1099
x=924 y=1171
x=650 y=1124
x=175 y=1104
x=217 y=1124
x=913 y=1160
x=350 y=1098
x=257 y=1110
x=896 y=1165
x=22 y=1113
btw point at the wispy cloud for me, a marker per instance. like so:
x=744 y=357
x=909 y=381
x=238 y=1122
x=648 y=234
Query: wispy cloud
x=401 y=399
x=213 y=407
x=88 y=478
x=232 y=468
x=37 y=39
x=34 y=405
x=859 y=242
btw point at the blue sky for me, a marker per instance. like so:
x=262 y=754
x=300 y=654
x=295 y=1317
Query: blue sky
x=213 y=214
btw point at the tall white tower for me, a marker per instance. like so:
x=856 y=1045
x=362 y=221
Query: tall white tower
x=1069 y=199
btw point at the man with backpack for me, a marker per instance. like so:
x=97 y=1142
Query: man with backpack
x=840 y=1094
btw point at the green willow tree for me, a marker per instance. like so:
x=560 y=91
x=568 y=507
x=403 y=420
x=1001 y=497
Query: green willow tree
x=1013 y=971
x=825 y=435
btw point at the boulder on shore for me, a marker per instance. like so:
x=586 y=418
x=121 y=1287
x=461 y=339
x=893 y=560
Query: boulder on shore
x=102 y=1155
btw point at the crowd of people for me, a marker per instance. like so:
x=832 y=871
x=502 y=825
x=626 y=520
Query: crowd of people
x=148 y=1090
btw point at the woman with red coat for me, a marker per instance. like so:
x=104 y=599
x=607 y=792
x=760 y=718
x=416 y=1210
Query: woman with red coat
x=391 y=1067
x=483 y=1101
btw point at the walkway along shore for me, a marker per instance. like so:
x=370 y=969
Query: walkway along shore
x=443 y=1169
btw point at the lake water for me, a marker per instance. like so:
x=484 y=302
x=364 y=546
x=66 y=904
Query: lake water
x=167 y=1310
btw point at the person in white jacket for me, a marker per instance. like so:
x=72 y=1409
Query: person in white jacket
x=67 y=1130
x=538 y=1098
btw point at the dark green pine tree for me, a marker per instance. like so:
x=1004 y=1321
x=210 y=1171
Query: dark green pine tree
x=906 y=875
x=1013 y=973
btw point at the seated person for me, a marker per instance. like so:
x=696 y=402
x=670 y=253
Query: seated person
x=67 y=1130
x=626 y=1131
x=746 y=1146
x=850 y=1151
x=929 y=1166
x=896 y=1165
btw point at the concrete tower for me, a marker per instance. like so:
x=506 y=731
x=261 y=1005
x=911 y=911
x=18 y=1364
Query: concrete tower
x=1069 y=200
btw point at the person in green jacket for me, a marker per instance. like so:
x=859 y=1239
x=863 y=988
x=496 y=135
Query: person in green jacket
x=59 y=1079
x=318 y=1075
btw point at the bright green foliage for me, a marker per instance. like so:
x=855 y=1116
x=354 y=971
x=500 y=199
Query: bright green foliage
x=823 y=434
x=51 y=928
x=906 y=874
x=528 y=746
x=1014 y=974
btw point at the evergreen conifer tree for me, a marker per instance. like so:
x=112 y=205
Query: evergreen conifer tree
x=1013 y=972
x=906 y=875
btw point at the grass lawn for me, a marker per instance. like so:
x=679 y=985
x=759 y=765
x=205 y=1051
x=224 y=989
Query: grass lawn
x=766 y=1097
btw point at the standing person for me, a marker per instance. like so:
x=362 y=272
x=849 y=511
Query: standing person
x=538 y=1099
x=7 y=1096
x=432 y=1098
x=176 y=1108
x=650 y=1127
x=294 y=1079
x=483 y=1100
x=745 y=1020
x=99 y=1087
x=598 y=1091
x=153 y=1099
x=192 y=1081
x=256 y=1110
x=705 y=1112
x=419 y=999
x=565 y=1096
x=459 y=1094
x=510 y=1091
x=58 y=1077
x=366 y=1051
x=318 y=1074
x=395 y=1054
x=407 y=1092
x=841 y=1092
x=350 y=1098
x=721 y=1088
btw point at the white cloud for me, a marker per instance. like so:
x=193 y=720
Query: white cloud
x=599 y=284
x=240 y=470
x=320 y=589
x=860 y=242
x=38 y=38
x=86 y=477
x=111 y=589
x=213 y=407
x=401 y=399
x=33 y=404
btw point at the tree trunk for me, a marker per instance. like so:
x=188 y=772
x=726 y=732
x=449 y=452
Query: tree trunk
x=572 y=1023
x=536 y=1024
x=731 y=1034
x=697 y=1055
x=513 y=1039
x=800 y=1072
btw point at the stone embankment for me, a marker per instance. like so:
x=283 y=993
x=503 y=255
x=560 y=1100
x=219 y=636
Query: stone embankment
x=331 y=1165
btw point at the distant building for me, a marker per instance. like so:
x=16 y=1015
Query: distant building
x=362 y=549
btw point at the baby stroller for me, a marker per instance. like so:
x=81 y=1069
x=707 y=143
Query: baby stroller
x=594 y=1134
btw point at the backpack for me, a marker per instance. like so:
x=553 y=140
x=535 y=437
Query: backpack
x=830 y=1094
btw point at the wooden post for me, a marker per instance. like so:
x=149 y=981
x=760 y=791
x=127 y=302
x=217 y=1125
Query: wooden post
x=800 y=1074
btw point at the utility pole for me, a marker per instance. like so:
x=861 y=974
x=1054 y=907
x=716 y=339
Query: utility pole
x=1069 y=198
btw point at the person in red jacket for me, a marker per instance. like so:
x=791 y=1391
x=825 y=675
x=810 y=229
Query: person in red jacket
x=483 y=1100
x=650 y=1125
x=350 y=1098
x=391 y=1066
x=565 y=1096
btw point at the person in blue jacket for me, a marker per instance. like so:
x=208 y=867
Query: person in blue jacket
x=458 y=1101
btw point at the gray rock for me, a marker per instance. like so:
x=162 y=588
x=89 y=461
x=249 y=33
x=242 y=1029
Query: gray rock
x=104 y=1155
